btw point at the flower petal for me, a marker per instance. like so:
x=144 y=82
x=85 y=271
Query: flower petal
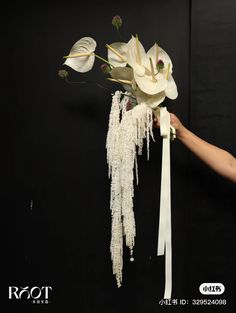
x=132 y=52
x=152 y=101
x=152 y=53
x=147 y=85
x=114 y=59
x=82 y=64
x=162 y=55
x=171 y=89
x=155 y=100
x=139 y=69
x=125 y=73
x=85 y=44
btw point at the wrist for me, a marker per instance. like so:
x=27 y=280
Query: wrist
x=182 y=132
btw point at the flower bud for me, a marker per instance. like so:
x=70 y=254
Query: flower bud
x=105 y=68
x=131 y=104
x=160 y=65
x=62 y=73
x=117 y=21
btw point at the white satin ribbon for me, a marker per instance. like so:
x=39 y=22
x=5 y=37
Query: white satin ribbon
x=164 y=237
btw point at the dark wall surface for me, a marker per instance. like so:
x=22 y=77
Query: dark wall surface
x=54 y=184
x=213 y=118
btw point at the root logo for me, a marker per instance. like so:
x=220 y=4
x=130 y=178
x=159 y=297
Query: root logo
x=38 y=295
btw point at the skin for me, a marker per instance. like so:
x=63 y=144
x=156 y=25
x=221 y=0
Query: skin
x=218 y=159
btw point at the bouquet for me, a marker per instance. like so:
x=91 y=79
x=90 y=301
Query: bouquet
x=146 y=78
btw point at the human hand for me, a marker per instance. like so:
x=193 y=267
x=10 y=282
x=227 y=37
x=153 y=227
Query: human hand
x=174 y=121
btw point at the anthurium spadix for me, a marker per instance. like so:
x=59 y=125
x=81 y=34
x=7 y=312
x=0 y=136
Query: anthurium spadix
x=81 y=57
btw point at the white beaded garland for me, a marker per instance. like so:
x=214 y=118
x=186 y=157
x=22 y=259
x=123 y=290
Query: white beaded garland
x=126 y=132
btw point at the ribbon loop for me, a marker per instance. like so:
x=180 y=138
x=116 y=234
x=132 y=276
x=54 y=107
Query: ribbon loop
x=164 y=122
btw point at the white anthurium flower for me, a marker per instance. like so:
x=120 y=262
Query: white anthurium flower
x=81 y=57
x=117 y=54
x=150 y=86
x=144 y=66
x=152 y=101
x=171 y=88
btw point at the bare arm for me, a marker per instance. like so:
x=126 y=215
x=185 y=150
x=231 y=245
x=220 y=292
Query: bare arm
x=218 y=159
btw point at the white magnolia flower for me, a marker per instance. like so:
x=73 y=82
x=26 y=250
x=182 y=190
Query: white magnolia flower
x=81 y=57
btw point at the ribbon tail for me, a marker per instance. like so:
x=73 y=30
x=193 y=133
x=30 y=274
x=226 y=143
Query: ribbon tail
x=168 y=271
x=164 y=236
x=164 y=201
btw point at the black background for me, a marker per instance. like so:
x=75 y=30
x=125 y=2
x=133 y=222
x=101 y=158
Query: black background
x=53 y=152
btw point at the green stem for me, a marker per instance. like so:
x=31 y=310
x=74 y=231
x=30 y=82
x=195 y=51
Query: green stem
x=119 y=34
x=73 y=82
x=97 y=56
x=84 y=82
